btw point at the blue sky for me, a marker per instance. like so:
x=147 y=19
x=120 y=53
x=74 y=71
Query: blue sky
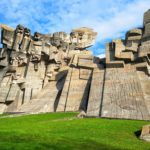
x=110 y=18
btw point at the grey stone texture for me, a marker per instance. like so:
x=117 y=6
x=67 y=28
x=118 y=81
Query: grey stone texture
x=145 y=134
x=56 y=73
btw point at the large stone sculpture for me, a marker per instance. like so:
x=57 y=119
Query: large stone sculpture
x=124 y=89
x=55 y=73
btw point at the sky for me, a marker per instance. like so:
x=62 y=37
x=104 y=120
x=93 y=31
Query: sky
x=109 y=18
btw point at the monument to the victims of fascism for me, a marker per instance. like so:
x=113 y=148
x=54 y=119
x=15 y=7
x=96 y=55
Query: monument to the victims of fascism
x=55 y=73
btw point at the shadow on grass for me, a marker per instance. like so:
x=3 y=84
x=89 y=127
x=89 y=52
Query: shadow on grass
x=17 y=141
x=137 y=133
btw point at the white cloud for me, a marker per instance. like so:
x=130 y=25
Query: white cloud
x=109 y=18
x=101 y=56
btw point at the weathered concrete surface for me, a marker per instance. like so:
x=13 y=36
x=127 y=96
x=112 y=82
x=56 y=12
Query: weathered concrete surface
x=2 y=108
x=64 y=95
x=43 y=102
x=145 y=85
x=56 y=73
x=123 y=95
x=78 y=90
x=145 y=134
x=96 y=93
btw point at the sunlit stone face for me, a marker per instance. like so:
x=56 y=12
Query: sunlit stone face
x=83 y=37
x=133 y=38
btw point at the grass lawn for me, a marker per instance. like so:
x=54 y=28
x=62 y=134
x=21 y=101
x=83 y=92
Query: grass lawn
x=62 y=131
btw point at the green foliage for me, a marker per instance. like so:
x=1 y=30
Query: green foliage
x=63 y=131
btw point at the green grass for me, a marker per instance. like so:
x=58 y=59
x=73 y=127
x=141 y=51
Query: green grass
x=62 y=131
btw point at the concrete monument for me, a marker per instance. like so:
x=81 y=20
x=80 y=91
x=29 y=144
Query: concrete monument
x=56 y=73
